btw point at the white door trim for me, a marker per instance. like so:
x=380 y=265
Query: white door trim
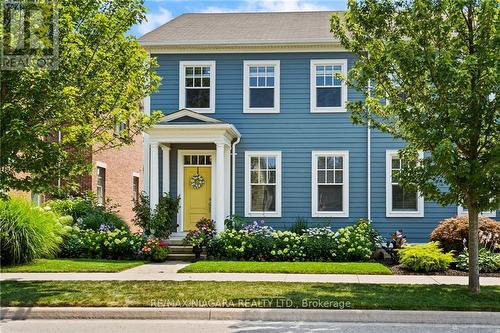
x=180 y=183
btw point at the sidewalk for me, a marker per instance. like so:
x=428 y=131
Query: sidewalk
x=168 y=272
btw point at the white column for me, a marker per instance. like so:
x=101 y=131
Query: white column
x=154 y=176
x=146 y=167
x=219 y=187
x=166 y=169
x=227 y=180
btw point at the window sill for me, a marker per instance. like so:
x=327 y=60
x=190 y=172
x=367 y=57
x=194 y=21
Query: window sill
x=261 y=110
x=330 y=214
x=262 y=214
x=329 y=110
x=404 y=214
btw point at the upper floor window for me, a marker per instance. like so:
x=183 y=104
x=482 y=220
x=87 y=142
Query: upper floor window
x=400 y=202
x=328 y=91
x=263 y=184
x=197 y=86
x=330 y=184
x=261 y=86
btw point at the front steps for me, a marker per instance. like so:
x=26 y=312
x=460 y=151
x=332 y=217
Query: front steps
x=181 y=252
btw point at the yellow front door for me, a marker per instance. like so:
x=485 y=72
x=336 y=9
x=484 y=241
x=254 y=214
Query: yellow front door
x=196 y=200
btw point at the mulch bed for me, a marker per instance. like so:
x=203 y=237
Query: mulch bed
x=398 y=270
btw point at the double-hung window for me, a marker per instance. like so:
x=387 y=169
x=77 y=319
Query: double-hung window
x=101 y=186
x=197 y=86
x=263 y=184
x=261 y=86
x=328 y=91
x=330 y=184
x=399 y=202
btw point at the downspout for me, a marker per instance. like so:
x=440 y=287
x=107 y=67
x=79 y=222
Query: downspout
x=369 y=160
x=233 y=175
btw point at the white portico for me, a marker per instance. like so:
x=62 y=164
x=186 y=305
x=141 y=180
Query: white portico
x=194 y=163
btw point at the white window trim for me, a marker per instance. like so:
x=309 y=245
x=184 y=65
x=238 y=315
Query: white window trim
x=314 y=63
x=182 y=83
x=462 y=211
x=101 y=164
x=248 y=191
x=314 y=188
x=388 y=191
x=246 y=86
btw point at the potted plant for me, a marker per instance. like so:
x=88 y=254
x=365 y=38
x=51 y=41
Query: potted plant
x=156 y=250
x=199 y=238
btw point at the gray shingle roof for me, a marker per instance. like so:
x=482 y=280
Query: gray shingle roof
x=243 y=28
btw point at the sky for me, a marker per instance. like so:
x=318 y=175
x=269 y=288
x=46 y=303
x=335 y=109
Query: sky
x=162 y=11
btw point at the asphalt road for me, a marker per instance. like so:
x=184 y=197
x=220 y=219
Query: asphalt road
x=193 y=326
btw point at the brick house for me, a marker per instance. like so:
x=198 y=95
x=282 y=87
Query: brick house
x=117 y=175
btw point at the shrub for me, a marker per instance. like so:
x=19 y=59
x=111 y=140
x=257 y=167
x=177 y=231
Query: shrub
x=235 y=222
x=427 y=257
x=156 y=250
x=28 y=232
x=451 y=232
x=87 y=214
x=111 y=244
x=162 y=221
x=99 y=219
x=253 y=244
x=204 y=232
x=259 y=242
x=489 y=261
x=287 y=246
x=355 y=242
x=142 y=212
x=300 y=226
x=319 y=244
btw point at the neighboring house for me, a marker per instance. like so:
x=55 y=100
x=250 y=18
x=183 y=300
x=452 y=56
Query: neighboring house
x=117 y=176
x=256 y=125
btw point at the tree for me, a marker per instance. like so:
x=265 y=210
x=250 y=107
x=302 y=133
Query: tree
x=52 y=119
x=437 y=65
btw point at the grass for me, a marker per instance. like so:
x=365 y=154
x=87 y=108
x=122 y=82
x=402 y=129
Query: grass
x=246 y=294
x=286 y=267
x=72 y=265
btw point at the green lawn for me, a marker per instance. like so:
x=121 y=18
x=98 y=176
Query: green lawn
x=286 y=267
x=246 y=294
x=73 y=265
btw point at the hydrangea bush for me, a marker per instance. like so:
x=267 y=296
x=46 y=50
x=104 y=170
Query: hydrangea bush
x=105 y=244
x=319 y=244
x=261 y=243
x=287 y=246
x=356 y=242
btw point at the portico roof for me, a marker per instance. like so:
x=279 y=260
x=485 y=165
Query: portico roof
x=189 y=126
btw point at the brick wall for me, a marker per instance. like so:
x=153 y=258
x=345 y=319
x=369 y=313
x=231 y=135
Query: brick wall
x=121 y=164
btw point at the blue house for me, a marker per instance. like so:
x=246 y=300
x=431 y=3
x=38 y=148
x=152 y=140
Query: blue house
x=256 y=125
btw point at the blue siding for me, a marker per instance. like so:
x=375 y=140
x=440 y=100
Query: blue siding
x=296 y=132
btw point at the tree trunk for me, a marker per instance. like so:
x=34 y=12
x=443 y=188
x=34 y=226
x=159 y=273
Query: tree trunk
x=473 y=247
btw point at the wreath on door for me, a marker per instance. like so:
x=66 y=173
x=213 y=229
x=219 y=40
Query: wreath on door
x=197 y=181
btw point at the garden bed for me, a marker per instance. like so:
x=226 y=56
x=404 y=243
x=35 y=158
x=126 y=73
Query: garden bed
x=286 y=267
x=247 y=295
x=73 y=265
x=398 y=270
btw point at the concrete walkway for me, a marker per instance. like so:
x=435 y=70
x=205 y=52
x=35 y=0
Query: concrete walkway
x=168 y=272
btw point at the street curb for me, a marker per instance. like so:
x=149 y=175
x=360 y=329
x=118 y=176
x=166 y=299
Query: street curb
x=305 y=315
